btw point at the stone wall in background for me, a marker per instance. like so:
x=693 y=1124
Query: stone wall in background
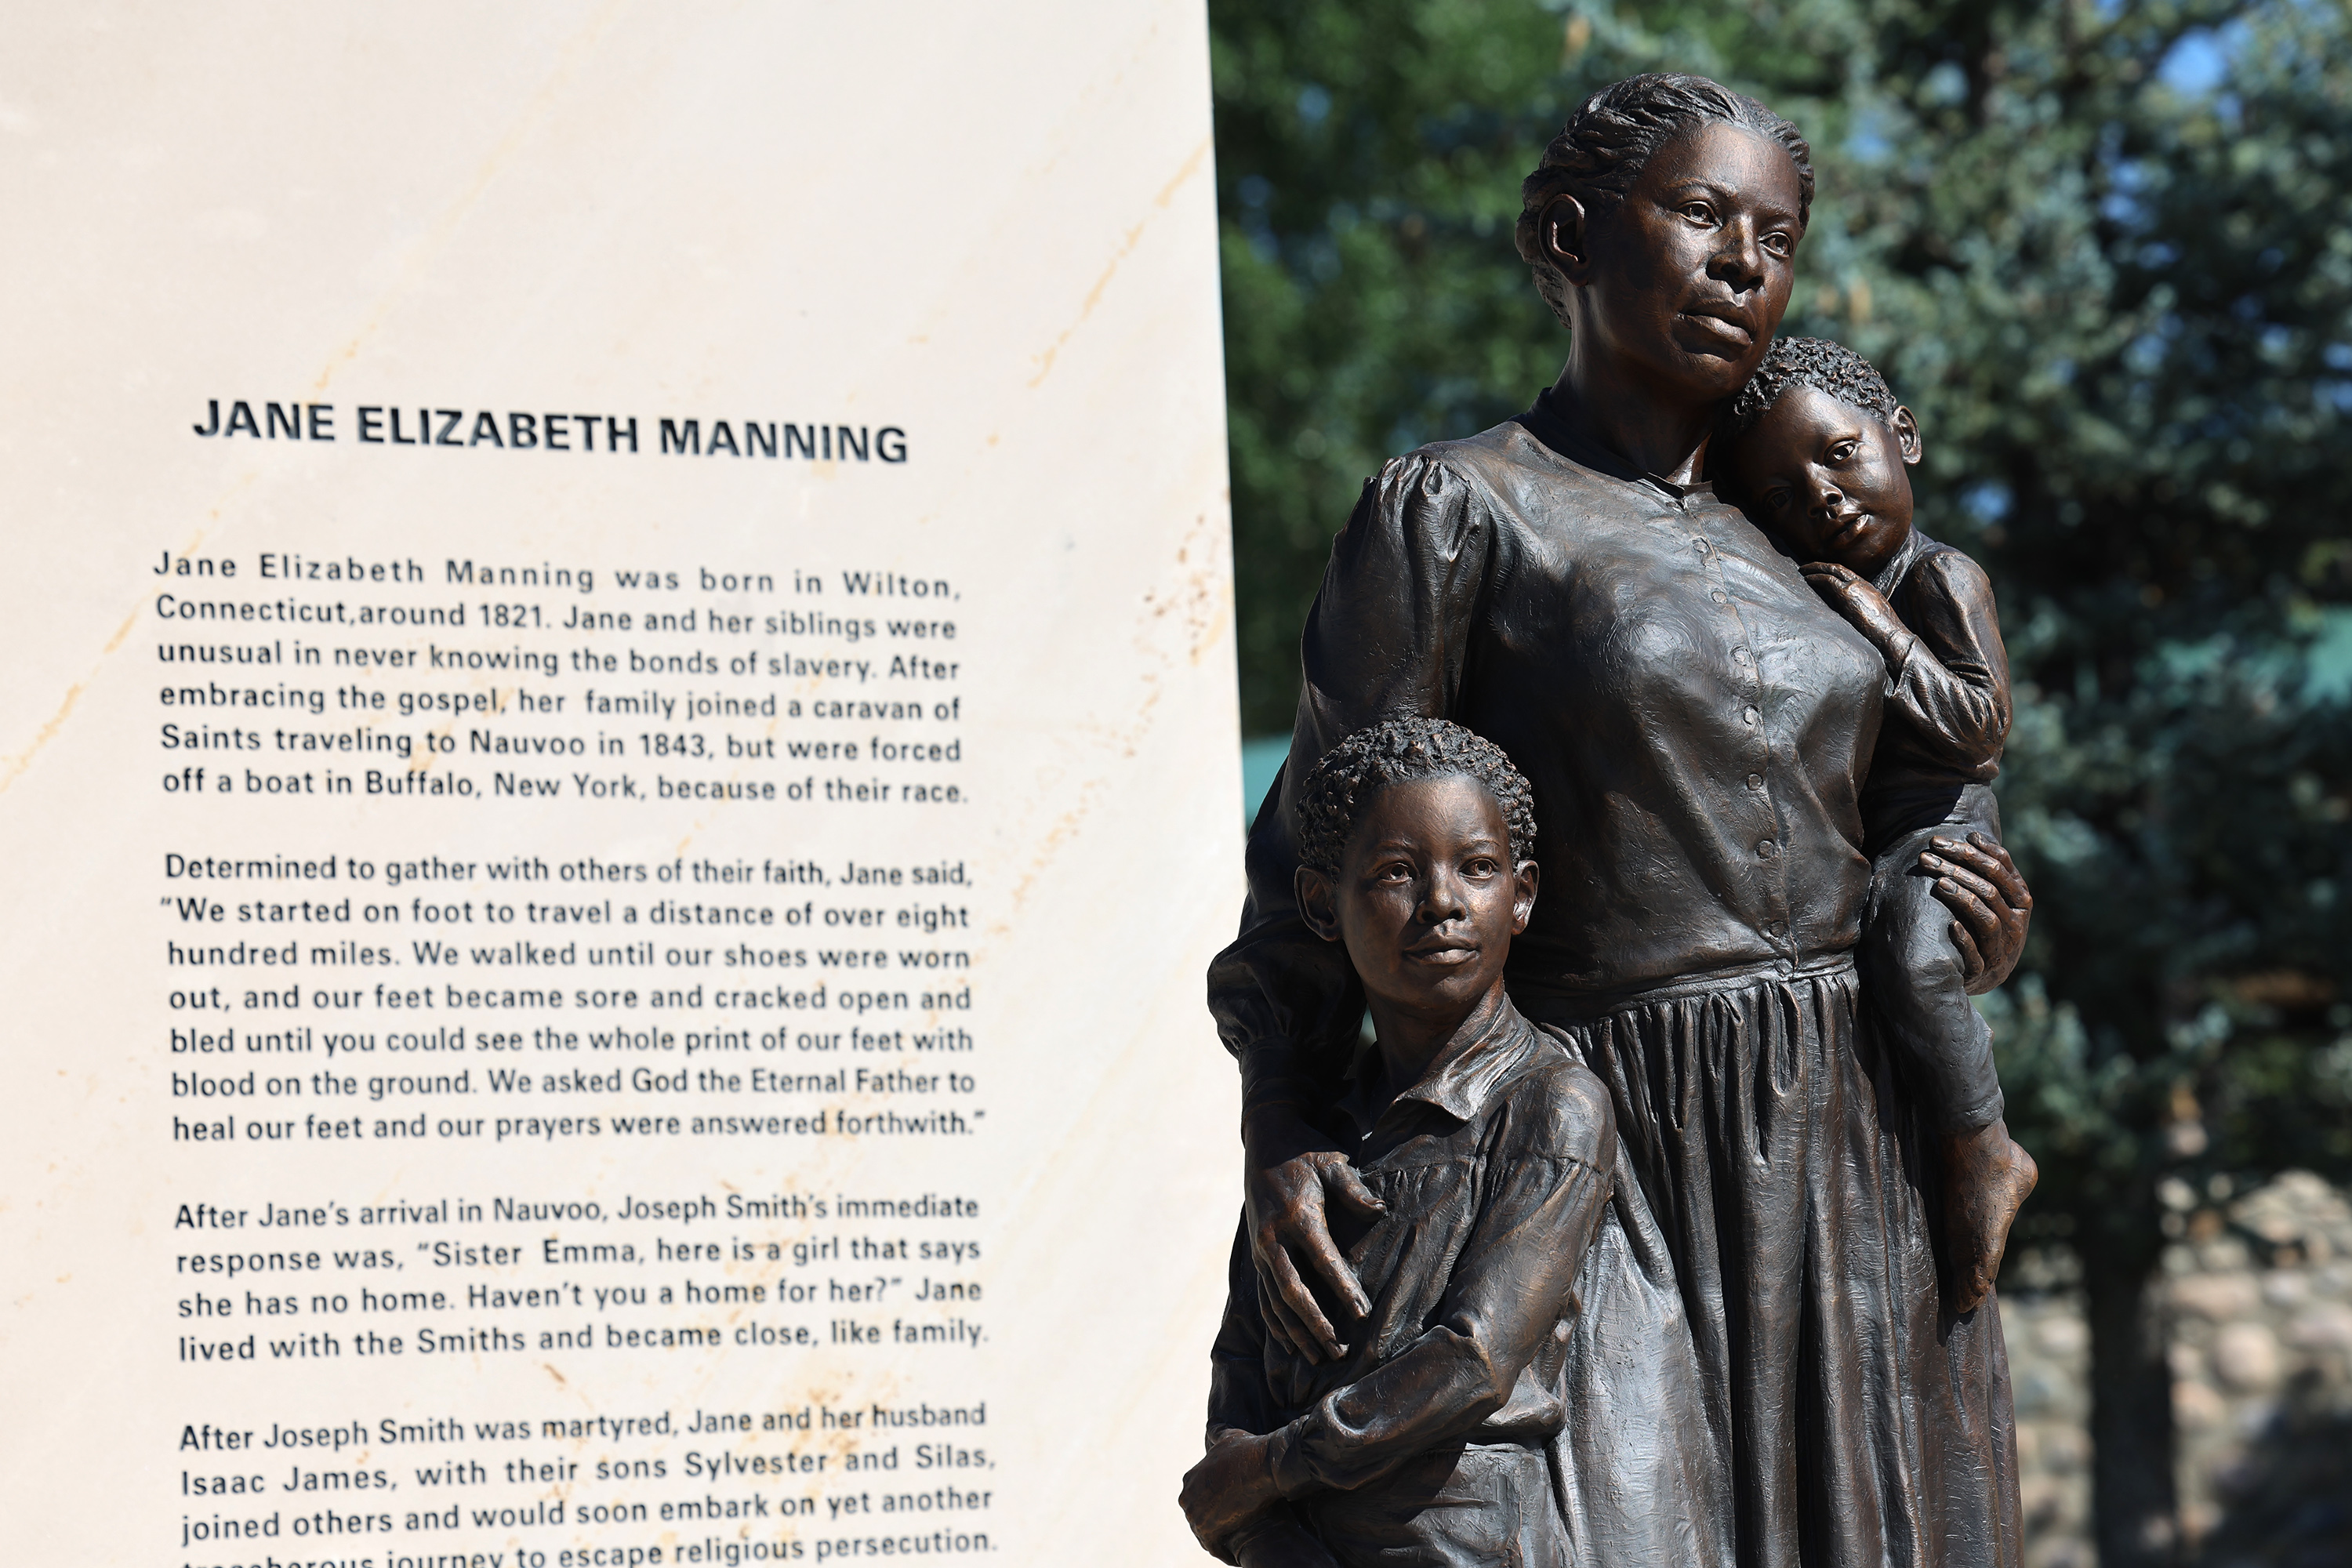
x=2259 y=1286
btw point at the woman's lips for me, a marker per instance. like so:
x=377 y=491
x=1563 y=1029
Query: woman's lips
x=1729 y=328
x=1448 y=953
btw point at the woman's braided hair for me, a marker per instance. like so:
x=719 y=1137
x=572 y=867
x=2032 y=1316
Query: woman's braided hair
x=1351 y=775
x=1614 y=135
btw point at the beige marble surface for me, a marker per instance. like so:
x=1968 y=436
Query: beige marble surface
x=991 y=229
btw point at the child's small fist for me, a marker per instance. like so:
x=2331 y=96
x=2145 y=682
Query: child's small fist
x=1853 y=596
x=1232 y=1485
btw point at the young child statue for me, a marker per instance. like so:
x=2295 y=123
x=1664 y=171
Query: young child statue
x=1484 y=1150
x=1817 y=451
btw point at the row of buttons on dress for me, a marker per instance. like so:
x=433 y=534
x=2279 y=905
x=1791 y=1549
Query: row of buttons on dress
x=1766 y=849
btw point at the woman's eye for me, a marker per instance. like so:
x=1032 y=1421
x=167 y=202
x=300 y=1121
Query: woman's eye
x=1842 y=450
x=1776 y=501
x=1479 y=867
x=1699 y=212
x=1399 y=872
x=1779 y=245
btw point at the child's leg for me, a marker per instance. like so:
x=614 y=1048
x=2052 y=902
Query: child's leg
x=1911 y=973
x=1912 y=976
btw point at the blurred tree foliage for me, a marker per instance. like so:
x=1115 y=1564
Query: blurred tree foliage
x=2104 y=249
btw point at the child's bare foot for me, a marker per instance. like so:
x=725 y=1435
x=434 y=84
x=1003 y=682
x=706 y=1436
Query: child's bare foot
x=1986 y=1180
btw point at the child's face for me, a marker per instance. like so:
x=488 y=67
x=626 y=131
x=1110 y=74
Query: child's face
x=1828 y=479
x=1428 y=899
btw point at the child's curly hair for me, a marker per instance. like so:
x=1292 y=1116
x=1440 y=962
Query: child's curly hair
x=1353 y=774
x=1830 y=368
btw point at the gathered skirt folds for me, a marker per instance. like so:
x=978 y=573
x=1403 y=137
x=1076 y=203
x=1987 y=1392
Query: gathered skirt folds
x=1765 y=1372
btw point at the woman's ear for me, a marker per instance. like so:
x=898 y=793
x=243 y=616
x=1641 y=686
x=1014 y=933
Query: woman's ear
x=1560 y=232
x=1907 y=435
x=1317 y=903
x=1523 y=902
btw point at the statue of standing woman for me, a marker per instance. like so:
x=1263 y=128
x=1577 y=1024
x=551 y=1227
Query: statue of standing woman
x=1762 y=1369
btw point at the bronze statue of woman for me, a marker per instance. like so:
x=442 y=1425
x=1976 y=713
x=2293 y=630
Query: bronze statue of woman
x=1765 y=1371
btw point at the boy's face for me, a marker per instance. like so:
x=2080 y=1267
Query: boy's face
x=1828 y=479
x=1427 y=898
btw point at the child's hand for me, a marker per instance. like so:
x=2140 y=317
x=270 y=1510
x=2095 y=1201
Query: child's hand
x=1227 y=1490
x=1851 y=596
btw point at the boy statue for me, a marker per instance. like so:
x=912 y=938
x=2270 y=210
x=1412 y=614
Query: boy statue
x=1486 y=1151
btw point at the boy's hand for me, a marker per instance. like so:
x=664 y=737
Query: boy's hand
x=1290 y=1175
x=1851 y=596
x=1228 y=1488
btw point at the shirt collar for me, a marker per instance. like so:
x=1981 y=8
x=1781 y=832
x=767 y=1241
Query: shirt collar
x=1891 y=577
x=1461 y=1085
x=1548 y=424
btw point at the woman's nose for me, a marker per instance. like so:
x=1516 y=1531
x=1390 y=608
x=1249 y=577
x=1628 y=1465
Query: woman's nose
x=1740 y=261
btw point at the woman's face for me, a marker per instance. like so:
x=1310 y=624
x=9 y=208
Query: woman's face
x=1684 y=283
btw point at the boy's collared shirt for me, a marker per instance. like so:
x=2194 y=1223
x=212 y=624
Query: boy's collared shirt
x=1495 y=1169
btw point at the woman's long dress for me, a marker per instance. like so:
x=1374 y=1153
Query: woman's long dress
x=1764 y=1372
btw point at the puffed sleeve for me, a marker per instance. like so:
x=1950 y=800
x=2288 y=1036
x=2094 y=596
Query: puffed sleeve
x=1954 y=684
x=1386 y=638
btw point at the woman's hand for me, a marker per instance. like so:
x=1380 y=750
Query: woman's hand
x=1229 y=1488
x=1290 y=1173
x=1980 y=883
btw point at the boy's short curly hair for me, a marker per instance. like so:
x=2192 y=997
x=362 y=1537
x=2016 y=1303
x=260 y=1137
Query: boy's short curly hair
x=1827 y=367
x=1351 y=775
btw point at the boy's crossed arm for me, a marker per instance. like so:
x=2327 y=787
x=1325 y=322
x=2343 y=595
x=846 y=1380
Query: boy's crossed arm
x=1508 y=1290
